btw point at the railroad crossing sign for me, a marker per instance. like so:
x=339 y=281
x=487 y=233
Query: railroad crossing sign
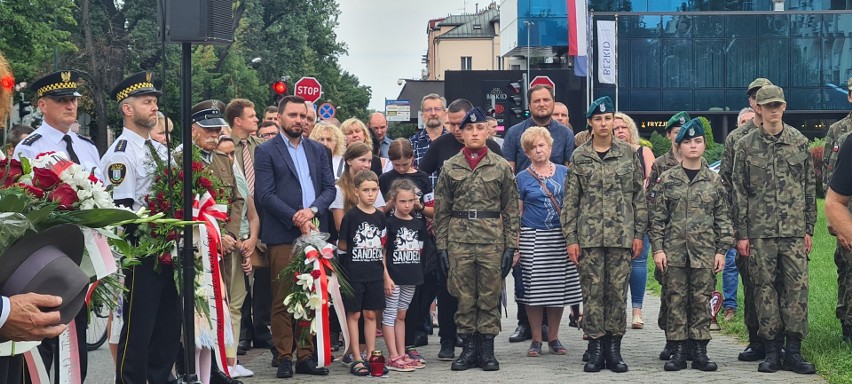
x=326 y=111
x=308 y=88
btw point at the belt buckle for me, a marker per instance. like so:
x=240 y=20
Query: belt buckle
x=473 y=214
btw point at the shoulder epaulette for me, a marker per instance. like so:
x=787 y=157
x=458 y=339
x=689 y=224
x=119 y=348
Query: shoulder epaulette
x=86 y=139
x=121 y=146
x=31 y=139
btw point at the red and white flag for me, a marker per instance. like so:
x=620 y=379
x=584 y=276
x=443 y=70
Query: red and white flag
x=577 y=27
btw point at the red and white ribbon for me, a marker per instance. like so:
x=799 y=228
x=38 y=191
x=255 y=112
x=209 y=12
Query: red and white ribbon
x=321 y=259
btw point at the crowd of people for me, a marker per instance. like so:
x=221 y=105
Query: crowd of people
x=440 y=219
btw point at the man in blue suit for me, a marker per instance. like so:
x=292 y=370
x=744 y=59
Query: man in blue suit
x=293 y=185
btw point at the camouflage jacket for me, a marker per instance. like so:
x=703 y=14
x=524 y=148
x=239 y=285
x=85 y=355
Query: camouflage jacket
x=774 y=188
x=604 y=203
x=832 y=145
x=726 y=167
x=689 y=219
x=831 y=165
x=660 y=165
x=489 y=187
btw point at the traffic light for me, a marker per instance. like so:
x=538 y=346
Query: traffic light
x=24 y=108
x=279 y=90
x=516 y=98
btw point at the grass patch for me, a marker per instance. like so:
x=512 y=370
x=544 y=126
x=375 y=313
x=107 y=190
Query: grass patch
x=823 y=346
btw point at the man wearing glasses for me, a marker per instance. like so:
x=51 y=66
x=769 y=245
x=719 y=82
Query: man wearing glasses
x=433 y=108
x=268 y=129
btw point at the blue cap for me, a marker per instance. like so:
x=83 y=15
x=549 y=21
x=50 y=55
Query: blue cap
x=692 y=128
x=476 y=115
x=600 y=106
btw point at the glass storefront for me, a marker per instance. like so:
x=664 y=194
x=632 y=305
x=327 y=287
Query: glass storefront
x=714 y=5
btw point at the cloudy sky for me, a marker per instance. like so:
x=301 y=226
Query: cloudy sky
x=386 y=39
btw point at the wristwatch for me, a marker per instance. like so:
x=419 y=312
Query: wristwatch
x=314 y=210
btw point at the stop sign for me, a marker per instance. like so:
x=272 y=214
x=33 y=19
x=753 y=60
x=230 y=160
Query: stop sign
x=308 y=88
x=543 y=80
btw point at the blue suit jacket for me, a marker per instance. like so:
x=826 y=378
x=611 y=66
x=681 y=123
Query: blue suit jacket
x=278 y=193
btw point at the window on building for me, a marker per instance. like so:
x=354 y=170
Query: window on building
x=466 y=63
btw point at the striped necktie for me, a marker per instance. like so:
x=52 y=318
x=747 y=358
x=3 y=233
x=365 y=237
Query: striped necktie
x=248 y=166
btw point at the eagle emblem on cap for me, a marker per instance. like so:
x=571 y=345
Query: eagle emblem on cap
x=472 y=117
x=148 y=76
x=603 y=107
x=66 y=76
x=692 y=131
x=682 y=120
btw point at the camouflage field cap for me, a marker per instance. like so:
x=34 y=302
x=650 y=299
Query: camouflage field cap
x=677 y=120
x=692 y=128
x=770 y=94
x=600 y=106
x=758 y=83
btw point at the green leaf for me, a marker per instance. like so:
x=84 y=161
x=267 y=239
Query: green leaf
x=14 y=202
x=41 y=214
x=98 y=218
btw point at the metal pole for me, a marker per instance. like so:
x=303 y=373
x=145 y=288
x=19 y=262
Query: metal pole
x=616 y=62
x=590 y=64
x=187 y=253
x=529 y=57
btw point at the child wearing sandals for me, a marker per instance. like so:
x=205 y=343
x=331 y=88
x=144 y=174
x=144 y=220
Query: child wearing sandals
x=403 y=270
x=362 y=235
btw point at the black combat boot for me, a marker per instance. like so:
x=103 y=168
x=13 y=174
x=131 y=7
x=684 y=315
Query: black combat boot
x=700 y=361
x=596 y=360
x=754 y=351
x=487 y=361
x=688 y=349
x=668 y=350
x=613 y=356
x=588 y=351
x=469 y=356
x=772 y=361
x=847 y=332
x=677 y=361
x=793 y=360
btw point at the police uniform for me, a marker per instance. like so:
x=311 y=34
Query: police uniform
x=754 y=351
x=690 y=223
x=60 y=85
x=149 y=337
x=775 y=197
x=46 y=138
x=604 y=211
x=477 y=225
x=837 y=134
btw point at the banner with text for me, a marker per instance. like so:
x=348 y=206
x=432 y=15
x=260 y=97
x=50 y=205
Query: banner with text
x=606 y=51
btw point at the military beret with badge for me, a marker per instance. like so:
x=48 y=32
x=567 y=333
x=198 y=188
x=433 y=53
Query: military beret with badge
x=600 y=106
x=693 y=128
x=677 y=120
x=475 y=115
x=57 y=85
x=209 y=114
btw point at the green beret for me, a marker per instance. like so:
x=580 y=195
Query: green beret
x=692 y=128
x=600 y=106
x=677 y=120
x=758 y=83
x=770 y=94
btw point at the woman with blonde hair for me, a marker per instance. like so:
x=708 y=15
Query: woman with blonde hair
x=624 y=128
x=355 y=131
x=333 y=139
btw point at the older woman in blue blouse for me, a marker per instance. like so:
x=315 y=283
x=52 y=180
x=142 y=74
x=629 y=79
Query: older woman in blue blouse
x=550 y=280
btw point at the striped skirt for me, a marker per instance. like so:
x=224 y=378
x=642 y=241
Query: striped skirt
x=549 y=278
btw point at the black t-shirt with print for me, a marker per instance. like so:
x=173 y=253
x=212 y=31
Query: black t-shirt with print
x=364 y=234
x=404 y=245
x=419 y=178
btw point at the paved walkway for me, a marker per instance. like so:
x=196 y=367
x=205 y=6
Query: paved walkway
x=640 y=350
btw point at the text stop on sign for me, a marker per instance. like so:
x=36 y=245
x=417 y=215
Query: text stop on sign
x=308 y=88
x=543 y=80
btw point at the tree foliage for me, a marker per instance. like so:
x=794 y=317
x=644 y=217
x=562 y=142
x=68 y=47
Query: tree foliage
x=31 y=30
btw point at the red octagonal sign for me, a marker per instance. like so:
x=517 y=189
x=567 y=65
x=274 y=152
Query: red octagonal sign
x=308 y=88
x=543 y=80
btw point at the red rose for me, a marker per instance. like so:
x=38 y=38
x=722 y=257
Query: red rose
x=304 y=323
x=171 y=236
x=10 y=171
x=180 y=175
x=315 y=274
x=154 y=234
x=165 y=258
x=37 y=192
x=204 y=182
x=178 y=213
x=64 y=195
x=212 y=194
x=46 y=179
x=197 y=166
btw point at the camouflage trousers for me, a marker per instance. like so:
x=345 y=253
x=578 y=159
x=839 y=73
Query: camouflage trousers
x=604 y=276
x=476 y=282
x=688 y=292
x=661 y=317
x=749 y=312
x=778 y=268
x=843 y=260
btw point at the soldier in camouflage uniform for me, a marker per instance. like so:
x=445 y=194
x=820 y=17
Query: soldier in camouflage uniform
x=690 y=231
x=604 y=218
x=665 y=162
x=477 y=226
x=754 y=351
x=775 y=198
x=837 y=134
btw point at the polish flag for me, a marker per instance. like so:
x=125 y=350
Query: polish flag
x=577 y=28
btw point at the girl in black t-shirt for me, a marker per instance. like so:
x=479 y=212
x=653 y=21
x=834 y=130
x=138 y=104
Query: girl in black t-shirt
x=403 y=270
x=362 y=236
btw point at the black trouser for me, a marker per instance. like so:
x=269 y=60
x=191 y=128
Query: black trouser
x=12 y=369
x=49 y=348
x=149 y=340
x=448 y=305
x=419 y=309
x=257 y=308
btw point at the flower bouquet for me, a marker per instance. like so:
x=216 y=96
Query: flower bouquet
x=316 y=277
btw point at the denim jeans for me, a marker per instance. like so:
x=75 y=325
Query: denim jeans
x=639 y=275
x=730 y=280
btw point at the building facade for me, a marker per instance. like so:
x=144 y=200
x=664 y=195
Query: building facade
x=464 y=42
